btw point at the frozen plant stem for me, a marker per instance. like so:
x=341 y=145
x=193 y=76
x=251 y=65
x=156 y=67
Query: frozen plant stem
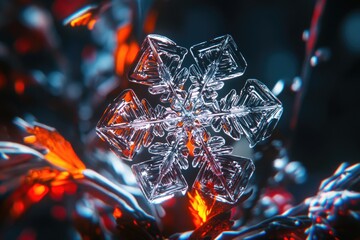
x=126 y=200
x=306 y=68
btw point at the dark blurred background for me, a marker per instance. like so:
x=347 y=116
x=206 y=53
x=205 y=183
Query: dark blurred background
x=45 y=66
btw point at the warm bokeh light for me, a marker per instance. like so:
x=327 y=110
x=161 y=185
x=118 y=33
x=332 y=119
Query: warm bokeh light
x=199 y=209
x=117 y=213
x=37 y=192
x=19 y=86
x=18 y=208
x=126 y=49
x=60 y=152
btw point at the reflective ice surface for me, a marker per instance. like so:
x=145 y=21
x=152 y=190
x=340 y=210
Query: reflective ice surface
x=184 y=117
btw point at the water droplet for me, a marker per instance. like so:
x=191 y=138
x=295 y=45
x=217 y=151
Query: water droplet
x=323 y=54
x=320 y=55
x=278 y=88
x=296 y=84
x=305 y=35
x=314 y=61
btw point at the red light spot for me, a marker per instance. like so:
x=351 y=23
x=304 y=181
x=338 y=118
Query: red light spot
x=3 y=189
x=123 y=33
x=120 y=58
x=18 y=208
x=57 y=192
x=63 y=8
x=133 y=50
x=22 y=45
x=19 y=86
x=2 y=80
x=27 y=234
x=88 y=53
x=37 y=192
x=117 y=213
x=150 y=22
x=169 y=203
x=58 y=212
x=91 y=24
x=70 y=188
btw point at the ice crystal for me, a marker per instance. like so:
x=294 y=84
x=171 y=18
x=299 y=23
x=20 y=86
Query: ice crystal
x=128 y=123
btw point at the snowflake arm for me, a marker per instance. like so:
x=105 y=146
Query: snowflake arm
x=158 y=66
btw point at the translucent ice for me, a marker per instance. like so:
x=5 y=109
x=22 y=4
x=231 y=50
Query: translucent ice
x=128 y=123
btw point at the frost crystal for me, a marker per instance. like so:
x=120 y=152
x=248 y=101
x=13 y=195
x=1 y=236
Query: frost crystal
x=128 y=123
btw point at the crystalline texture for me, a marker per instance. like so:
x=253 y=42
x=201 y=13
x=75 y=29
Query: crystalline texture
x=124 y=124
x=231 y=184
x=223 y=52
x=128 y=123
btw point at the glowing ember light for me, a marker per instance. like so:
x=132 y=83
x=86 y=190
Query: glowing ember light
x=117 y=213
x=18 y=208
x=150 y=22
x=19 y=86
x=133 y=50
x=61 y=153
x=91 y=24
x=22 y=45
x=80 y=20
x=120 y=56
x=58 y=212
x=190 y=147
x=57 y=192
x=27 y=234
x=37 y=192
x=198 y=208
x=84 y=17
x=126 y=50
x=44 y=174
x=70 y=188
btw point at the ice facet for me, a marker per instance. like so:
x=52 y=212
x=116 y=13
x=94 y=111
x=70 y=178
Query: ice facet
x=125 y=125
x=128 y=123
x=231 y=184
x=220 y=53
x=264 y=111
x=158 y=64
x=156 y=184
x=254 y=112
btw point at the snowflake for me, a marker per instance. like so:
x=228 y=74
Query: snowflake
x=128 y=123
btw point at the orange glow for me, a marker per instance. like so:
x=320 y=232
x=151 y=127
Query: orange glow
x=47 y=174
x=22 y=45
x=37 y=192
x=81 y=20
x=198 y=208
x=126 y=49
x=91 y=24
x=123 y=33
x=70 y=188
x=19 y=86
x=57 y=192
x=18 y=208
x=125 y=55
x=117 y=213
x=133 y=50
x=191 y=147
x=121 y=56
x=58 y=212
x=150 y=22
x=60 y=152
